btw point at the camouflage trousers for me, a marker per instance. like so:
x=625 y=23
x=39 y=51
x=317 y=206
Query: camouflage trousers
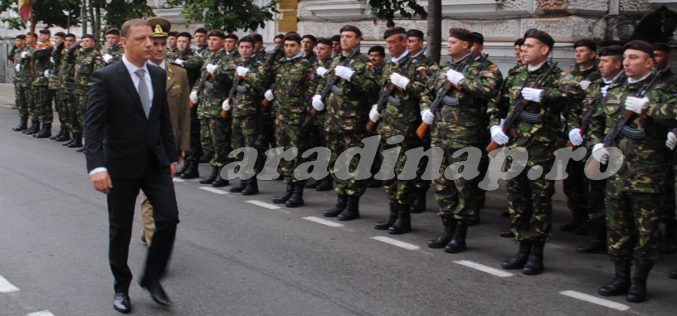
x=575 y=189
x=338 y=142
x=42 y=99
x=218 y=132
x=247 y=133
x=423 y=185
x=205 y=136
x=64 y=106
x=530 y=207
x=79 y=109
x=268 y=131
x=400 y=191
x=195 y=141
x=288 y=135
x=668 y=196
x=632 y=221
x=23 y=97
x=456 y=198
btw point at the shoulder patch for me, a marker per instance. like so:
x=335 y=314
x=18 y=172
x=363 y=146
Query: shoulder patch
x=422 y=70
x=433 y=68
x=232 y=66
x=566 y=76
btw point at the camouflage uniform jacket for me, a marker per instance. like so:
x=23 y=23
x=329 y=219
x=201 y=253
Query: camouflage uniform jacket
x=56 y=59
x=559 y=90
x=247 y=97
x=67 y=71
x=192 y=62
x=312 y=57
x=644 y=167
x=460 y=116
x=667 y=81
x=348 y=102
x=594 y=132
x=87 y=61
x=41 y=62
x=202 y=50
x=23 y=77
x=214 y=88
x=115 y=51
x=260 y=55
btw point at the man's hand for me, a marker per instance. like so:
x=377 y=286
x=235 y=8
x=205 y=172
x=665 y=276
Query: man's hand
x=172 y=169
x=101 y=181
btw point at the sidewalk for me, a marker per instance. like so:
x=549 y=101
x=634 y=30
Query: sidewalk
x=7 y=95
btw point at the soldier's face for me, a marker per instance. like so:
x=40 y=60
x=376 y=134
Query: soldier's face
x=375 y=58
x=20 y=43
x=518 y=53
x=308 y=45
x=87 y=43
x=609 y=66
x=291 y=48
x=171 y=41
x=68 y=41
x=414 y=44
x=349 y=41
x=278 y=41
x=159 y=49
x=58 y=40
x=396 y=44
x=112 y=39
x=584 y=55
x=336 y=47
x=534 y=51
x=30 y=39
x=200 y=38
x=246 y=50
x=457 y=48
x=661 y=59
x=138 y=43
x=258 y=46
x=476 y=49
x=323 y=51
x=230 y=44
x=43 y=37
x=182 y=43
x=215 y=43
x=636 y=63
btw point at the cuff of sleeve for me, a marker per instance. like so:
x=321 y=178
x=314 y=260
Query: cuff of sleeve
x=97 y=170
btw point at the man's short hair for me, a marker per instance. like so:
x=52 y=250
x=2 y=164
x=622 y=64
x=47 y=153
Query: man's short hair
x=88 y=36
x=639 y=45
x=248 y=39
x=280 y=36
x=350 y=28
x=336 y=38
x=519 y=42
x=232 y=36
x=615 y=51
x=379 y=49
x=60 y=34
x=478 y=38
x=663 y=47
x=32 y=34
x=217 y=33
x=124 y=30
x=257 y=37
x=45 y=31
x=311 y=38
x=113 y=31
x=324 y=40
x=201 y=30
x=415 y=33
x=461 y=34
x=395 y=31
x=21 y=37
x=173 y=33
x=292 y=36
x=185 y=34
x=70 y=35
x=544 y=37
x=586 y=43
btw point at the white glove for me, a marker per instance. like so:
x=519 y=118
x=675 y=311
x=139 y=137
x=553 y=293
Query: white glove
x=242 y=71
x=211 y=68
x=51 y=59
x=374 y=116
x=317 y=103
x=584 y=84
x=17 y=67
x=400 y=81
x=107 y=58
x=600 y=153
x=24 y=54
x=427 y=116
x=575 y=137
x=672 y=141
x=636 y=105
x=225 y=106
x=46 y=73
x=179 y=61
x=269 y=95
x=532 y=94
x=321 y=71
x=454 y=76
x=498 y=136
x=344 y=72
x=193 y=96
x=604 y=90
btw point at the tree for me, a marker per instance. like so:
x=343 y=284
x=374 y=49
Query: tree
x=50 y=13
x=227 y=15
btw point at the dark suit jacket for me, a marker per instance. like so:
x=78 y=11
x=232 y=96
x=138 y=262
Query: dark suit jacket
x=118 y=136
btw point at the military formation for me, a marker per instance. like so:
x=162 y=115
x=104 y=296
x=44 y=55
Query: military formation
x=309 y=92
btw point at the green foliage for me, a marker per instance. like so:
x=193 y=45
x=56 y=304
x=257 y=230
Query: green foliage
x=119 y=11
x=48 y=12
x=387 y=9
x=227 y=15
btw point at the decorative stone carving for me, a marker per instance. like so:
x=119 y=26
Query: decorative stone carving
x=553 y=6
x=515 y=5
x=566 y=29
x=589 y=5
x=635 y=5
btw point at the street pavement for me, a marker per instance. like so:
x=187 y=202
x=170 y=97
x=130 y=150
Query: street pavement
x=237 y=255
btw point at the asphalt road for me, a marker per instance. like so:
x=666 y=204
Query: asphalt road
x=237 y=256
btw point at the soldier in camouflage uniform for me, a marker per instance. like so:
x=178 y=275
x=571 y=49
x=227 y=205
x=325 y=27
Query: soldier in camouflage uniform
x=190 y=60
x=210 y=91
x=27 y=62
x=87 y=61
x=293 y=77
x=404 y=79
x=113 y=52
x=460 y=123
x=611 y=74
x=54 y=83
x=42 y=98
x=376 y=55
x=633 y=193
x=539 y=131
x=200 y=36
x=171 y=45
x=347 y=103
x=67 y=88
x=230 y=44
x=575 y=184
x=259 y=51
x=308 y=43
x=22 y=80
x=267 y=116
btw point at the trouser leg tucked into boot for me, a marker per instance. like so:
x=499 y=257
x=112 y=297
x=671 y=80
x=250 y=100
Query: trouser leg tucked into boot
x=281 y=199
x=352 y=210
x=520 y=258
x=390 y=220
x=534 y=264
x=403 y=223
x=443 y=239
x=637 y=291
x=211 y=177
x=341 y=203
x=620 y=284
x=252 y=187
x=296 y=198
x=457 y=243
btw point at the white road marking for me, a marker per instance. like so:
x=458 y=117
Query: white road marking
x=595 y=300
x=213 y=190
x=323 y=221
x=263 y=204
x=41 y=313
x=179 y=180
x=396 y=242
x=483 y=268
x=6 y=287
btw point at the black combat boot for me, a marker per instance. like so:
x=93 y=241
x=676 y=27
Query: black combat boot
x=34 y=128
x=637 y=292
x=239 y=188
x=296 y=198
x=419 y=205
x=252 y=187
x=219 y=182
x=45 y=131
x=341 y=203
x=673 y=274
x=403 y=223
x=66 y=135
x=211 y=177
x=192 y=172
x=77 y=141
x=520 y=258
x=534 y=265
x=281 y=199
x=326 y=184
x=443 y=239
x=183 y=169
x=598 y=242
x=352 y=210
x=620 y=284
x=392 y=217
x=62 y=129
x=71 y=140
x=22 y=126
x=206 y=157
x=457 y=243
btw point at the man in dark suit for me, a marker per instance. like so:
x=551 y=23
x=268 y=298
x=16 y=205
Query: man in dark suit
x=130 y=147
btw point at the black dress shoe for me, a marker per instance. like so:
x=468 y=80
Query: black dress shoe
x=121 y=303
x=157 y=293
